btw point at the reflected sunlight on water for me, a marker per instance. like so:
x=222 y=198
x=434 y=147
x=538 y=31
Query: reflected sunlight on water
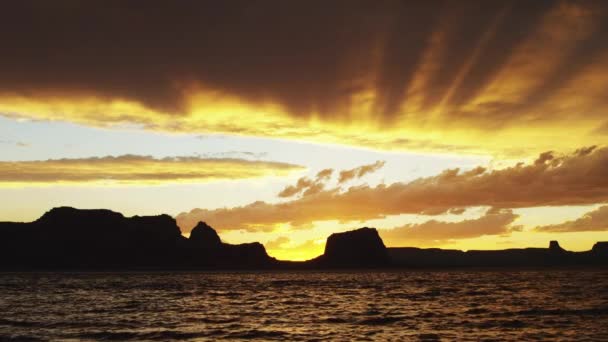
x=419 y=305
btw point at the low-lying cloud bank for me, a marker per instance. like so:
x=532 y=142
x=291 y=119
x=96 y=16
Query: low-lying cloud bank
x=596 y=220
x=493 y=222
x=134 y=169
x=552 y=179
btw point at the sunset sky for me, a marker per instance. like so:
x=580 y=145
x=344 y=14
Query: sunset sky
x=452 y=124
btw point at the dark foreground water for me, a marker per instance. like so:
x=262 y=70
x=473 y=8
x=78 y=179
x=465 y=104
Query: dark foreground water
x=436 y=305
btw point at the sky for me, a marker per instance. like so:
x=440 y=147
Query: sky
x=454 y=124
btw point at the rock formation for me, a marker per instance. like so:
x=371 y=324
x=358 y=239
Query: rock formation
x=600 y=247
x=357 y=248
x=68 y=238
x=555 y=247
x=204 y=236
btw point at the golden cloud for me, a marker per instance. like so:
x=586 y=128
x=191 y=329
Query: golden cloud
x=552 y=179
x=325 y=174
x=513 y=78
x=433 y=232
x=303 y=184
x=596 y=220
x=307 y=186
x=133 y=169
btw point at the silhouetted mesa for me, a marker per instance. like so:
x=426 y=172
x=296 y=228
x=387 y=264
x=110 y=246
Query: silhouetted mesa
x=357 y=248
x=68 y=238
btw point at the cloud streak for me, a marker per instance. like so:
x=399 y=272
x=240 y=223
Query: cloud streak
x=133 y=169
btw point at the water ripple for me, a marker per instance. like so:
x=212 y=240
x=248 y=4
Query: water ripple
x=408 y=305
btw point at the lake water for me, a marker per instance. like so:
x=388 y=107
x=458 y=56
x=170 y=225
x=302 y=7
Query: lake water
x=409 y=305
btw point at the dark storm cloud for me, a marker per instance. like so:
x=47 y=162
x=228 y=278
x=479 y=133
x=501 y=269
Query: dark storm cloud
x=290 y=52
x=307 y=55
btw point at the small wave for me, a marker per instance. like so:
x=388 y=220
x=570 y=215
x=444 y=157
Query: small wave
x=505 y=324
x=432 y=293
x=259 y=334
x=20 y=338
x=109 y=336
x=17 y=323
x=478 y=293
x=162 y=335
x=515 y=323
x=429 y=337
x=380 y=320
x=212 y=320
x=565 y=312
x=477 y=311
x=427 y=314
x=172 y=335
x=337 y=320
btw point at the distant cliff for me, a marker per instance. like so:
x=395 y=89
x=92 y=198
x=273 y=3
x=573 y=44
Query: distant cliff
x=68 y=238
x=516 y=257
